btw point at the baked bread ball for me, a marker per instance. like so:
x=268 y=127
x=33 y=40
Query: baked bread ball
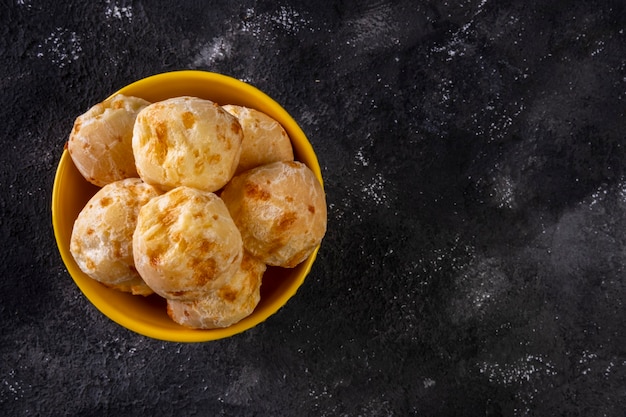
x=226 y=305
x=101 y=240
x=186 y=244
x=264 y=139
x=100 y=143
x=186 y=141
x=280 y=209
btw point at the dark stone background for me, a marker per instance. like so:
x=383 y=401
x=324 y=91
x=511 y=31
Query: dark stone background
x=473 y=155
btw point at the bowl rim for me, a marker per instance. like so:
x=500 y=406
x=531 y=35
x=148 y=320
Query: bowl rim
x=185 y=335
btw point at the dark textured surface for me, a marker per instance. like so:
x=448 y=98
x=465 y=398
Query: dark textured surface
x=474 y=161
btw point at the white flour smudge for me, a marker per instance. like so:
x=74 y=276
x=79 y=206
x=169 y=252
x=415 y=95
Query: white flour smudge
x=479 y=284
x=285 y=18
x=240 y=390
x=61 y=47
x=218 y=49
x=256 y=30
x=373 y=29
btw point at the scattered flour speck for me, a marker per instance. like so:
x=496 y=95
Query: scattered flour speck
x=375 y=190
x=622 y=190
x=61 y=47
x=362 y=159
x=598 y=196
x=12 y=388
x=120 y=12
x=504 y=192
x=288 y=19
x=520 y=371
x=257 y=30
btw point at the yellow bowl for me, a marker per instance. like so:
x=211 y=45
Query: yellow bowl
x=147 y=315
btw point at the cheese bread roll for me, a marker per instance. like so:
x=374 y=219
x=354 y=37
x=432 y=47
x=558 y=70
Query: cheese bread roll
x=101 y=241
x=186 y=141
x=186 y=244
x=264 y=139
x=226 y=305
x=100 y=143
x=280 y=209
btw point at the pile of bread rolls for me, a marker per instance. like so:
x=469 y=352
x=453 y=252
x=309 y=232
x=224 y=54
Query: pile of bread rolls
x=196 y=200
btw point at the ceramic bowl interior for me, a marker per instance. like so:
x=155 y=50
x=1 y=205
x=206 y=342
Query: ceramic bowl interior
x=147 y=315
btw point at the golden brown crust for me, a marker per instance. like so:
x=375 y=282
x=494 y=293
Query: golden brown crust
x=264 y=139
x=101 y=241
x=136 y=286
x=186 y=244
x=100 y=143
x=186 y=141
x=280 y=209
x=226 y=305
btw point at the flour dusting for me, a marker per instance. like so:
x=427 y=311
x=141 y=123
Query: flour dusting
x=240 y=390
x=504 y=192
x=288 y=19
x=375 y=190
x=116 y=11
x=256 y=30
x=479 y=285
x=598 y=196
x=428 y=383
x=585 y=359
x=520 y=371
x=12 y=388
x=622 y=190
x=61 y=47
x=218 y=49
x=375 y=28
x=361 y=158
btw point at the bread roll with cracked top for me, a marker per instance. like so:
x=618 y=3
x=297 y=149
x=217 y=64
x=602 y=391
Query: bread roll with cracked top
x=101 y=240
x=226 y=305
x=280 y=209
x=100 y=143
x=186 y=141
x=264 y=139
x=186 y=244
